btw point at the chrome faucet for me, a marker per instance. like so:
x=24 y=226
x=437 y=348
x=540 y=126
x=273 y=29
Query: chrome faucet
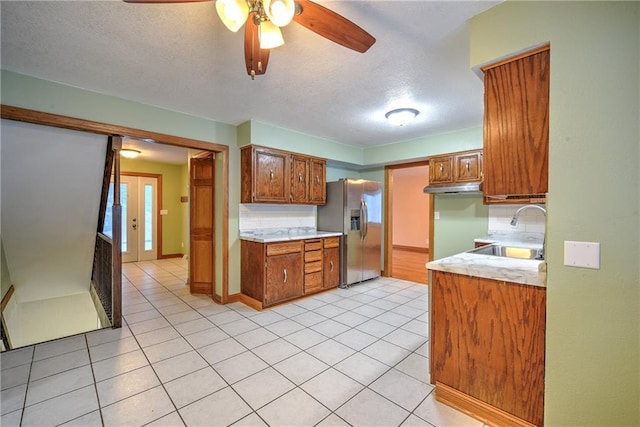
x=514 y=222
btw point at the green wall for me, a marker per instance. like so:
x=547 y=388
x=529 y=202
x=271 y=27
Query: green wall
x=465 y=139
x=174 y=222
x=593 y=332
x=463 y=217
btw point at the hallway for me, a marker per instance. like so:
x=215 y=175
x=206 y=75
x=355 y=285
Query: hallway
x=356 y=356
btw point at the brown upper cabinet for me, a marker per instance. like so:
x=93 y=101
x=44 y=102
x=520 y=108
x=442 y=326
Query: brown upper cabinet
x=516 y=129
x=451 y=168
x=277 y=176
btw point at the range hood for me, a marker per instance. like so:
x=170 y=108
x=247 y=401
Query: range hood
x=454 y=188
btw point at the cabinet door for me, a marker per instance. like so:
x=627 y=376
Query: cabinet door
x=271 y=176
x=516 y=127
x=284 y=278
x=299 y=179
x=441 y=170
x=468 y=167
x=318 y=187
x=331 y=268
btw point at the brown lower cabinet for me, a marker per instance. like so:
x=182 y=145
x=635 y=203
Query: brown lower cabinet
x=488 y=348
x=273 y=273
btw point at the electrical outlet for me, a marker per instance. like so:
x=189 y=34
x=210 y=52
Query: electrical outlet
x=436 y=215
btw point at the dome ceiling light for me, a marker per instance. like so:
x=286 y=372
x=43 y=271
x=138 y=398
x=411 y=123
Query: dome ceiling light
x=402 y=116
x=129 y=153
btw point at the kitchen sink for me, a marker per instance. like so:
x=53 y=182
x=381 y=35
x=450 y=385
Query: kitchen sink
x=509 y=251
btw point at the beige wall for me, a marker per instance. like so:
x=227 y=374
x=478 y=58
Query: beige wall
x=593 y=316
x=410 y=207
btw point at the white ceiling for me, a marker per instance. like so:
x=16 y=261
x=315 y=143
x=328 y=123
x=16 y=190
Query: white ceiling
x=180 y=57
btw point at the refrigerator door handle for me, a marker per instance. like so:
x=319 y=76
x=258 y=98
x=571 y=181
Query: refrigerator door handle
x=365 y=225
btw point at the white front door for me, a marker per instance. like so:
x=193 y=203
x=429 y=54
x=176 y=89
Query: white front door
x=139 y=218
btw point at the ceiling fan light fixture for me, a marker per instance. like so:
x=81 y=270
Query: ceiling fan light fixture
x=232 y=13
x=270 y=35
x=401 y=116
x=129 y=153
x=280 y=12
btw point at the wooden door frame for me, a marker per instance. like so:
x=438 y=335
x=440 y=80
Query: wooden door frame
x=158 y=178
x=66 y=122
x=388 y=214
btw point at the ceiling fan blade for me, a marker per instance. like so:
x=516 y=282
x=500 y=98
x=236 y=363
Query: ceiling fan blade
x=164 y=1
x=333 y=26
x=255 y=58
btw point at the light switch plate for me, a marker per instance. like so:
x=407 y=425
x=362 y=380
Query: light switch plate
x=582 y=254
x=164 y=212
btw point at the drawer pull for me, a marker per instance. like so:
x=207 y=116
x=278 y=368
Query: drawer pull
x=285 y=275
x=331 y=263
x=441 y=168
x=271 y=174
x=467 y=165
x=299 y=177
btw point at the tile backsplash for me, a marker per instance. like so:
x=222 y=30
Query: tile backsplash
x=529 y=220
x=254 y=216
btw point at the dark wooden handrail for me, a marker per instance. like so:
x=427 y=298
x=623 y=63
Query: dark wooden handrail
x=106 y=276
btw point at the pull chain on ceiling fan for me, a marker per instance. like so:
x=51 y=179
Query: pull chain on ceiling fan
x=263 y=18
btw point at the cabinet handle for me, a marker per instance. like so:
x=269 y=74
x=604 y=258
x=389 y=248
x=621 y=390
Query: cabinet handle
x=299 y=177
x=317 y=179
x=467 y=165
x=271 y=174
x=285 y=275
x=331 y=263
x=441 y=168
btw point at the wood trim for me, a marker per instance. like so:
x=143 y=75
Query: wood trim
x=169 y=256
x=388 y=223
x=432 y=225
x=56 y=120
x=6 y=298
x=388 y=216
x=158 y=178
x=247 y=300
x=412 y=249
x=477 y=409
x=503 y=61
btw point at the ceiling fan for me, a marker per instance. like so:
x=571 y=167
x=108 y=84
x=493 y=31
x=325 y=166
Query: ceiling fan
x=263 y=19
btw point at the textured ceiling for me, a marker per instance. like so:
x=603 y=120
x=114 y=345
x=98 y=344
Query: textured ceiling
x=180 y=57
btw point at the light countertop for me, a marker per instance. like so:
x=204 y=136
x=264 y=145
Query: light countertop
x=515 y=270
x=285 y=234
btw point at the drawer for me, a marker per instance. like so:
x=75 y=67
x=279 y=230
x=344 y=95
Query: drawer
x=284 y=248
x=310 y=256
x=312 y=267
x=332 y=242
x=312 y=282
x=312 y=245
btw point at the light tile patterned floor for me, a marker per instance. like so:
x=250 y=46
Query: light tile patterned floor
x=356 y=356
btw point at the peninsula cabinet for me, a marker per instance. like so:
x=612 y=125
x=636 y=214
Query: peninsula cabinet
x=488 y=348
x=276 y=176
x=516 y=129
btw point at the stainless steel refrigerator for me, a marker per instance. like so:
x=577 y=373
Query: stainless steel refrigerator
x=354 y=207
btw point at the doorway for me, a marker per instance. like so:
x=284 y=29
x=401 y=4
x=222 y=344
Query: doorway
x=139 y=198
x=408 y=222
